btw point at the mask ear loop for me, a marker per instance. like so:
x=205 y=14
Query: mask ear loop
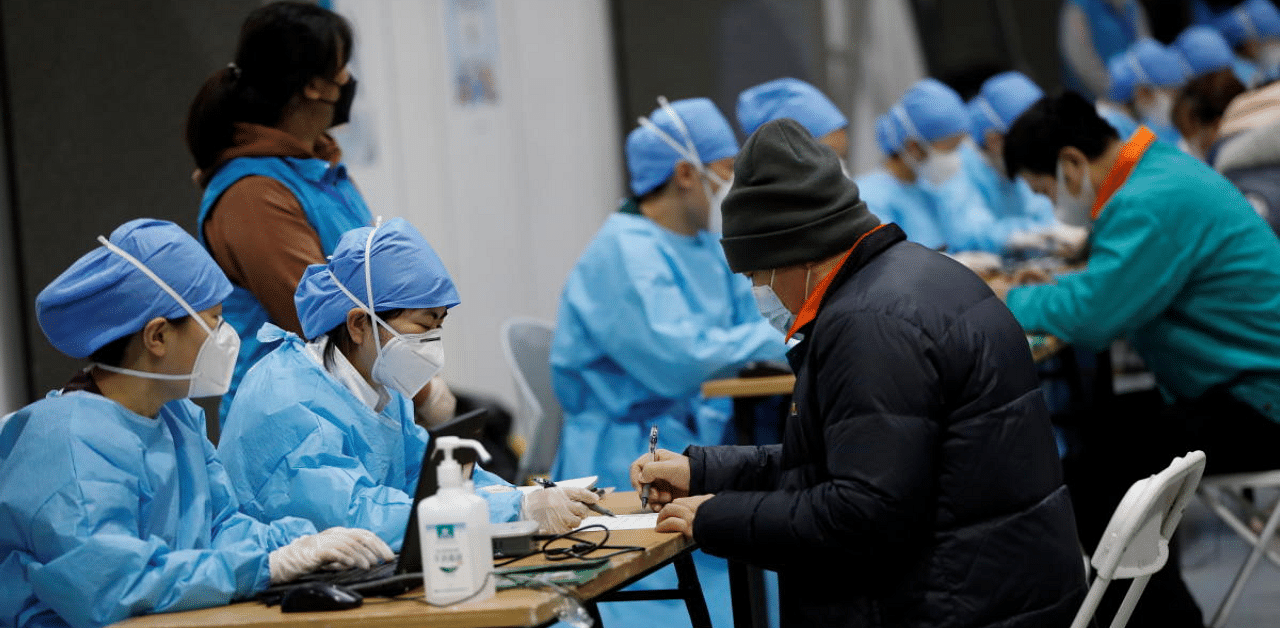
x=912 y=132
x=990 y=112
x=687 y=151
x=368 y=286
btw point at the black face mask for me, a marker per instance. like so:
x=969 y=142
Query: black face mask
x=342 y=106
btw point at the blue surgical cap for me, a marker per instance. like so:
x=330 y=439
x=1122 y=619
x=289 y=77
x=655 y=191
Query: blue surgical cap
x=103 y=297
x=652 y=161
x=405 y=272
x=1001 y=100
x=931 y=111
x=1250 y=21
x=789 y=98
x=1204 y=49
x=889 y=134
x=1146 y=62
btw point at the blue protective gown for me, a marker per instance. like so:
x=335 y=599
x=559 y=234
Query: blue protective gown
x=1184 y=268
x=105 y=514
x=298 y=442
x=952 y=215
x=646 y=316
x=1013 y=205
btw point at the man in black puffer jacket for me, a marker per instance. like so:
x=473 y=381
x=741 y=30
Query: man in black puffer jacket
x=917 y=483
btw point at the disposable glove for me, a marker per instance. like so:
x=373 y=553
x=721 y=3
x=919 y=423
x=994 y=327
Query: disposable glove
x=1029 y=241
x=557 y=509
x=338 y=547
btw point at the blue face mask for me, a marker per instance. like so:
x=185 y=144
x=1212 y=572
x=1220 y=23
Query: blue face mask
x=771 y=307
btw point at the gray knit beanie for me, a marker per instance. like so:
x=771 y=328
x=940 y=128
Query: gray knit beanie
x=790 y=202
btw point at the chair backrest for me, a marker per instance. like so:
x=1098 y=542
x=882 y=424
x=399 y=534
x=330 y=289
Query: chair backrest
x=526 y=343
x=1136 y=541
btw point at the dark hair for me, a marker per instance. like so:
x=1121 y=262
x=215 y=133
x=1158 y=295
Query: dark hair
x=112 y=353
x=339 y=336
x=1205 y=98
x=1053 y=123
x=283 y=45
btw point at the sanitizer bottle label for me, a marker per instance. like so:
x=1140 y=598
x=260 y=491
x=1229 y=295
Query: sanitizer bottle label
x=447 y=555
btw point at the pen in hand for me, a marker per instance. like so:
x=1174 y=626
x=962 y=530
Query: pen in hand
x=546 y=483
x=653 y=453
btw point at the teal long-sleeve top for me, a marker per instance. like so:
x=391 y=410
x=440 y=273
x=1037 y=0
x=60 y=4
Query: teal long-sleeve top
x=1182 y=267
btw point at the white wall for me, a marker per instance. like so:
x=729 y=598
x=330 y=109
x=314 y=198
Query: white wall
x=509 y=194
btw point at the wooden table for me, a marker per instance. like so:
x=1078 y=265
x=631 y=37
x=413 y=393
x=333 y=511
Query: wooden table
x=510 y=607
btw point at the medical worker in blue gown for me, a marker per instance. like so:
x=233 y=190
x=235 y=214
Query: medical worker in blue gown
x=324 y=428
x=112 y=501
x=1253 y=30
x=1025 y=216
x=919 y=185
x=802 y=102
x=1144 y=82
x=648 y=313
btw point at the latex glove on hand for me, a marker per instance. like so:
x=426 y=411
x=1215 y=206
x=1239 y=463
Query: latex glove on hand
x=1029 y=241
x=340 y=547
x=667 y=477
x=557 y=509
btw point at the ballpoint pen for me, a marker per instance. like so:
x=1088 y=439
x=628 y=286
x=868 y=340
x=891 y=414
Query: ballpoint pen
x=546 y=483
x=653 y=452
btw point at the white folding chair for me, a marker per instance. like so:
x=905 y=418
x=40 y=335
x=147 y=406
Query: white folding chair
x=1136 y=541
x=1216 y=491
x=526 y=343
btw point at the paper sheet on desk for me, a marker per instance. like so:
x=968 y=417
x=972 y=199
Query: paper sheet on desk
x=586 y=482
x=643 y=521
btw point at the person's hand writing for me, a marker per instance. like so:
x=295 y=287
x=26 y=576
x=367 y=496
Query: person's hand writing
x=678 y=515
x=667 y=477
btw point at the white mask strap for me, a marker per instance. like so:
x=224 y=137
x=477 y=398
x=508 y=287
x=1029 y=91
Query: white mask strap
x=990 y=112
x=900 y=113
x=159 y=282
x=1143 y=78
x=687 y=150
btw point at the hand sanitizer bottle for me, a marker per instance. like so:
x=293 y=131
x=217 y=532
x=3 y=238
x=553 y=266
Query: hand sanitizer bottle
x=453 y=528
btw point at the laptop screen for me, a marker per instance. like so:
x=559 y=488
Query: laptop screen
x=468 y=425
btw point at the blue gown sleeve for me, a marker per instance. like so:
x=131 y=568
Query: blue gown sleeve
x=94 y=569
x=967 y=222
x=655 y=333
x=504 y=505
x=1135 y=271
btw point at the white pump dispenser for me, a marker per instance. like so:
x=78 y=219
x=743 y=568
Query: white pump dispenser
x=453 y=528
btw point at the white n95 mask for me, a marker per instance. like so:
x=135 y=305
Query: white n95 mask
x=215 y=363
x=408 y=361
x=938 y=167
x=1073 y=210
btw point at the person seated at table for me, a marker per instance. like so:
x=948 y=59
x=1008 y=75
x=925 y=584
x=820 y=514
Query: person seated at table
x=114 y=503
x=918 y=462
x=800 y=101
x=1182 y=268
x=324 y=428
x=649 y=312
x=1025 y=216
x=1144 y=81
x=920 y=186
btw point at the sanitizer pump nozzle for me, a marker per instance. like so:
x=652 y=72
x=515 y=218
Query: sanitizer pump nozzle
x=453 y=525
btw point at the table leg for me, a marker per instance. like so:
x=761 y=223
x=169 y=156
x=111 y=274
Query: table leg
x=691 y=589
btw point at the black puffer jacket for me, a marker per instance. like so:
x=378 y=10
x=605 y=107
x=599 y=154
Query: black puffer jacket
x=917 y=483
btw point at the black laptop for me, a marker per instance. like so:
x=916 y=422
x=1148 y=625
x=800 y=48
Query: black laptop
x=382 y=579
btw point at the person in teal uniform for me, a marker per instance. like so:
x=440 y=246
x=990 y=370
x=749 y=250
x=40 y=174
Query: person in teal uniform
x=324 y=428
x=1184 y=269
x=114 y=503
x=276 y=194
x=802 y=102
x=1090 y=33
x=920 y=186
x=1144 y=82
x=1025 y=216
x=649 y=312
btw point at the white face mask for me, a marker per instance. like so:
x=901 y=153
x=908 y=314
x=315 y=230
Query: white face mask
x=715 y=221
x=215 y=362
x=408 y=361
x=939 y=166
x=1071 y=210
x=771 y=307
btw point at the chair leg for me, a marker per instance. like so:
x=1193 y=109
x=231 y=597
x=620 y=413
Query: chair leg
x=1084 y=616
x=1130 y=601
x=1210 y=496
x=1259 y=548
